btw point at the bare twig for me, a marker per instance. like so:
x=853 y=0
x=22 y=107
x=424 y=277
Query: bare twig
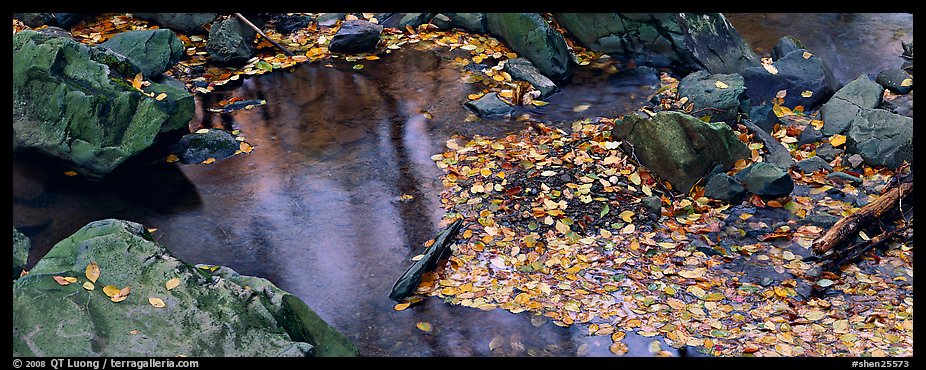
x=262 y=34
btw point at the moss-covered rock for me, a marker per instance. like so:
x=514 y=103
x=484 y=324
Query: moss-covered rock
x=213 y=311
x=73 y=101
x=21 y=246
x=230 y=41
x=197 y=147
x=153 y=51
x=530 y=36
x=187 y=23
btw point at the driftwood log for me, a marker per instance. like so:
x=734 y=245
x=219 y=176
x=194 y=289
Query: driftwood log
x=409 y=281
x=850 y=225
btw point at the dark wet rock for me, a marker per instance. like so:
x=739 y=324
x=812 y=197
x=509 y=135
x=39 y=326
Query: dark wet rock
x=408 y=282
x=414 y=20
x=823 y=220
x=290 y=24
x=529 y=35
x=685 y=42
x=652 y=204
x=153 y=51
x=442 y=22
x=810 y=135
x=522 y=69
x=72 y=101
x=900 y=104
x=892 y=79
x=813 y=164
x=471 y=22
x=907 y=49
x=36 y=19
x=795 y=75
x=355 y=36
x=828 y=152
x=21 y=246
x=845 y=177
x=766 y=180
x=330 y=19
x=764 y=117
x=882 y=138
x=678 y=147
x=230 y=41
x=212 y=312
x=786 y=45
x=490 y=105
x=724 y=187
x=185 y=23
x=776 y=153
x=195 y=148
x=853 y=161
x=720 y=104
x=68 y=20
x=839 y=112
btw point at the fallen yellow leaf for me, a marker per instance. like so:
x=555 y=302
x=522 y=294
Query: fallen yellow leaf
x=110 y=290
x=160 y=97
x=92 y=272
x=721 y=85
x=171 y=158
x=209 y=161
x=906 y=82
x=156 y=302
x=626 y=216
x=70 y=173
x=423 y=326
x=837 y=140
x=88 y=285
x=807 y=93
x=401 y=306
x=172 y=283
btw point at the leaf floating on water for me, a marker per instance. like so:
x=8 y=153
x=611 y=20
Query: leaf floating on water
x=418 y=257
x=581 y=108
x=172 y=283
x=358 y=66
x=70 y=173
x=171 y=158
x=245 y=147
x=92 y=272
x=423 y=326
x=401 y=306
x=781 y=94
x=156 y=302
x=807 y=93
x=539 y=103
x=619 y=348
x=721 y=85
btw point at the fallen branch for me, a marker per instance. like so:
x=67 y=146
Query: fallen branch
x=850 y=225
x=262 y=34
x=849 y=254
x=409 y=281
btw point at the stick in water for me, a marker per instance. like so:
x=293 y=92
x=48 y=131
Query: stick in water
x=262 y=34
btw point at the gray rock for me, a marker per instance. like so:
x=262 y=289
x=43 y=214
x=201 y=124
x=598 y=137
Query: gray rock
x=72 y=101
x=522 y=69
x=290 y=24
x=810 y=135
x=212 y=312
x=442 y=22
x=414 y=20
x=411 y=278
x=828 y=152
x=764 y=117
x=678 y=147
x=766 y=180
x=230 y=41
x=195 y=148
x=907 y=49
x=68 y=20
x=892 y=79
x=882 y=138
x=795 y=75
x=724 y=187
x=529 y=35
x=356 y=36
x=471 y=22
x=824 y=220
x=776 y=153
x=490 y=105
x=813 y=164
x=786 y=45
x=35 y=20
x=848 y=102
x=652 y=204
x=686 y=42
x=720 y=104
x=330 y=19
x=844 y=177
x=55 y=32
x=153 y=51
x=185 y=23
x=21 y=247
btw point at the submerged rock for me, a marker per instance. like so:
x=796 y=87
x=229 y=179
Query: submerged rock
x=522 y=69
x=72 y=101
x=355 y=36
x=766 y=180
x=724 y=187
x=21 y=247
x=153 y=51
x=894 y=80
x=186 y=23
x=195 y=148
x=529 y=35
x=794 y=74
x=860 y=94
x=718 y=96
x=882 y=138
x=786 y=45
x=212 y=311
x=678 y=147
x=490 y=105
x=686 y=42
x=230 y=41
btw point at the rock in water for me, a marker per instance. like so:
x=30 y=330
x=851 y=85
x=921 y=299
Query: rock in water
x=810 y=135
x=195 y=148
x=813 y=164
x=153 y=51
x=529 y=35
x=794 y=74
x=896 y=80
x=471 y=22
x=414 y=20
x=290 y=24
x=72 y=101
x=490 y=105
x=330 y=19
x=21 y=246
x=686 y=42
x=882 y=138
x=766 y=180
x=230 y=41
x=718 y=96
x=35 y=20
x=775 y=152
x=211 y=312
x=409 y=280
x=522 y=69
x=185 y=23
x=860 y=94
x=724 y=187
x=678 y=147
x=764 y=117
x=355 y=36
x=786 y=45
